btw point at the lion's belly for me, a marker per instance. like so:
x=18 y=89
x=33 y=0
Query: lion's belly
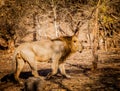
x=43 y=58
x=43 y=55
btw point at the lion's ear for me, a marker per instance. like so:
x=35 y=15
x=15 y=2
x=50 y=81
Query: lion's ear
x=76 y=32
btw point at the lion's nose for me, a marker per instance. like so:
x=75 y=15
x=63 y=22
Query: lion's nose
x=80 y=51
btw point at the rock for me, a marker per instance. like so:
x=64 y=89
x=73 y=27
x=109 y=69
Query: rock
x=34 y=84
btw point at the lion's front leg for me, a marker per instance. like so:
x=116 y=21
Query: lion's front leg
x=62 y=70
x=54 y=69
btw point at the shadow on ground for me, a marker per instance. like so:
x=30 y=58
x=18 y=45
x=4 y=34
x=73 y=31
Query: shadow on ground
x=23 y=75
x=106 y=78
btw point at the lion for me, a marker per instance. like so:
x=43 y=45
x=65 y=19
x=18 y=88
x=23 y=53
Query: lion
x=44 y=50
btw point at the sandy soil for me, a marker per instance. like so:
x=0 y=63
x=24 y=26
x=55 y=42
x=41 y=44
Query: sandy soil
x=105 y=78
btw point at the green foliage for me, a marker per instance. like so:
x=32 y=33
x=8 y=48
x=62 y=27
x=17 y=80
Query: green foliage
x=109 y=16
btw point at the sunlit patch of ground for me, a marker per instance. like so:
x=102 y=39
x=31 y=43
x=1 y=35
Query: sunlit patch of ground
x=105 y=78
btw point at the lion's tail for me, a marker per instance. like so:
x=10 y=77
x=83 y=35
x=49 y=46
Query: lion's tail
x=13 y=63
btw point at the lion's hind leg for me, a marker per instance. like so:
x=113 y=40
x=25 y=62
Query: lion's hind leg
x=54 y=69
x=19 y=66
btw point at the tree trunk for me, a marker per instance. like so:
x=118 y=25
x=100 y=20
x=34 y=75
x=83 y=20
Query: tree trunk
x=35 y=24
x=55 y=18
x=95 y=40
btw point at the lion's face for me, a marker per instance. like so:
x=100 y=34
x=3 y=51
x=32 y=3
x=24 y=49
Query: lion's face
x=76 y=45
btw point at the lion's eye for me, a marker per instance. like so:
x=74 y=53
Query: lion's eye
x=74 y=41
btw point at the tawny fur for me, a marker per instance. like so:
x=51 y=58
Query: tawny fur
x=56 y=50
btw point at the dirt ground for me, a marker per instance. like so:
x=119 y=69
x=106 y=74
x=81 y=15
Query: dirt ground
x=105 y=78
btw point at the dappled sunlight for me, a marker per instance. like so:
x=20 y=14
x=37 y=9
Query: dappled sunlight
x=61 y=45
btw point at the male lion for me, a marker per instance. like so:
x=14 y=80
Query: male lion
x=56 y=50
